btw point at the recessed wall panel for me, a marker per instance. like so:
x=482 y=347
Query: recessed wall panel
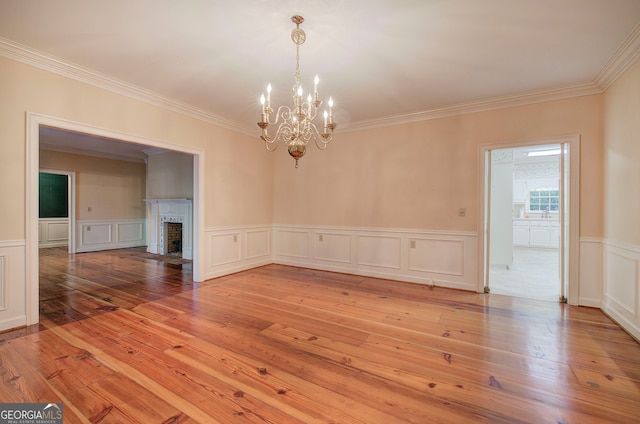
x=96 y=234
x=293 y=243
x=379 y=251
x=621 y=282
x=130 y=232
x=3 y=282
x=436 y=256
x=258 y=243
x=224 y=248
x=333 y=247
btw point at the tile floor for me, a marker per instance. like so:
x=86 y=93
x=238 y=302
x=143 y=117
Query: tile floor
x=534 y=274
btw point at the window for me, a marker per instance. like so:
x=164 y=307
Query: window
x=544 y=200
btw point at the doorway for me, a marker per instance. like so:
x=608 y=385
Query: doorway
x=34 y=123
x=529 y=201
x=70 y=207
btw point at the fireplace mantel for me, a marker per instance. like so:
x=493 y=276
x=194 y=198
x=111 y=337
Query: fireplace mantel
x=160 y=211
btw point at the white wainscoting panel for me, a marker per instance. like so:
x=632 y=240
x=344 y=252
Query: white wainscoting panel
x=293 y=243
x=130 y=231
x=590 y=290
x=622 y=285
x=258 y=243
x=437 y=255
x=379 y=250
x=234 y=249
x=224 y=248
x=4 y=281
x=13 y=302
x=332 y=247
x=110 y=234
x=447 y=259
x=53 y=232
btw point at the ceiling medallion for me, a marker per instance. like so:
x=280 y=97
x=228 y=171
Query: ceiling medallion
x=296 y=127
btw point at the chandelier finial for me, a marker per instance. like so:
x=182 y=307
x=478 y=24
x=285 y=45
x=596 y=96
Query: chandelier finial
x=296 y=127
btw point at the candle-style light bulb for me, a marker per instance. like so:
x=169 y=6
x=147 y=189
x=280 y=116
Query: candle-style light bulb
x=330 y=110
x=326 y=115
x=316 y=80
x=300 y=91
x=269 y=95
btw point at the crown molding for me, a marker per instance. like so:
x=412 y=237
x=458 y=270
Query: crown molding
x=625 y=56
x=622 y=59
x=29 y=56
x=480 y=106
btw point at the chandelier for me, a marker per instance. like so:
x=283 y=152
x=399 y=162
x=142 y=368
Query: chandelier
x=296 y=127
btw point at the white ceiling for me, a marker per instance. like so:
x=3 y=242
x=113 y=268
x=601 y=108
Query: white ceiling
x=383 y=61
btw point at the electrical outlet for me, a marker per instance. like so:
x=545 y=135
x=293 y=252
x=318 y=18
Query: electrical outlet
x=89 y=209
x=462 y=212
x=412 y=244
x=319 y=237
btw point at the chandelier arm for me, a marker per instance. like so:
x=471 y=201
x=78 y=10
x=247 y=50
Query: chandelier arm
x=271 y=145
x=318 y=138
x=283 y=112
x=284 y=133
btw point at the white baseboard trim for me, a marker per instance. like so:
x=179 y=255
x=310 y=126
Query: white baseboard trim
x=590 y=302
x=628 y=325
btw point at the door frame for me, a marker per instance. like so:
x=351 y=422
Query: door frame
x=573 y=242
x=71 y=193
x=34 y=122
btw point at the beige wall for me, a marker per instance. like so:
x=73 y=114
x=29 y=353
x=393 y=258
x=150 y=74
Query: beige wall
x=113 y=189
x=238 y=172
x=170 y=176
x=622 y=158
x=418 y=175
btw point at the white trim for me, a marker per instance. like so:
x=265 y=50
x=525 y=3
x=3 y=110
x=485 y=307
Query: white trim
x=621 y=285
x=521 y=99
x=626 y=55
x=380 y=230
x=367 y=251
x=622 y=59
x=574 y=202
x=33 y=123
x=12 y=243
x=25 y=54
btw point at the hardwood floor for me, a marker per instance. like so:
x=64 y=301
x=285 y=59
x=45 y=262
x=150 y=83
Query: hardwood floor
x=125 y=338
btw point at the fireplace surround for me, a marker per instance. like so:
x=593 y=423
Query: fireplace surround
x=161 y=212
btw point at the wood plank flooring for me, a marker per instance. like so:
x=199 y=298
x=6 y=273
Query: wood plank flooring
x=125 y=338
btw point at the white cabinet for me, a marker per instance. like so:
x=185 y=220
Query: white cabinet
x=539 y=234
x=519 y=191
x=520 y=233
x=555 y=234
x=536 y=233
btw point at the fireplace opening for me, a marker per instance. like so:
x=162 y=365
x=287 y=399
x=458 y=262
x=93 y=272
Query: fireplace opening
x=173 y=238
